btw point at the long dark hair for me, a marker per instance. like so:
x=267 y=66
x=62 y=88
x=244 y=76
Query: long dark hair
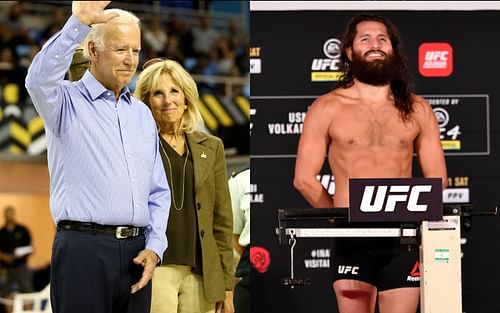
x=400 y=86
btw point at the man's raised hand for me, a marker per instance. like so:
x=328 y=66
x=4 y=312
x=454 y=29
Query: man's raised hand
x=92 y=12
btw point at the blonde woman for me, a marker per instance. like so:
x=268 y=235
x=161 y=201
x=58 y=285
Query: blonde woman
x=197 y=271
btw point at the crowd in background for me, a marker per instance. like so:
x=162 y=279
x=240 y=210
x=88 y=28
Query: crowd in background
x=212 y=46
x=195 y=43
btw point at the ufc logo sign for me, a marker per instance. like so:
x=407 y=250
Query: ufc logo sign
x=395 y=199
x=346 y=269
x=386 y=201
x=435 y=59
x=436 y=56
x=324 y=64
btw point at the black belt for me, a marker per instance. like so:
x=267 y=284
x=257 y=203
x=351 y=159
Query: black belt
x=120 y=232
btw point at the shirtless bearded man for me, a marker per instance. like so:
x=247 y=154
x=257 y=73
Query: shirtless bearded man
x=370 y=127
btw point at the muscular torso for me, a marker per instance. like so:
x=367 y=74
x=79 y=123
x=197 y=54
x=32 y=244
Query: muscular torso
x=368 y=140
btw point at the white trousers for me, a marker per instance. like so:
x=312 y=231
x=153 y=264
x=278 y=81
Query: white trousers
x=178 y=290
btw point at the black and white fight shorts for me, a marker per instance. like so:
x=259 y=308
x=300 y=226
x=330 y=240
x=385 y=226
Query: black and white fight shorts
x=382 y=262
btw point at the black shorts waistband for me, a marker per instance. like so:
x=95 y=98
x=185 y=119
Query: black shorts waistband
x=120 y=232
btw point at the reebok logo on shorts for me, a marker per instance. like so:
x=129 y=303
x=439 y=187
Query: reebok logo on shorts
x=415 y=273
x=346 y=269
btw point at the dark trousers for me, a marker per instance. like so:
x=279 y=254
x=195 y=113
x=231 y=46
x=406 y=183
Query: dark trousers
x=242 y=288
x=93 y=272
x=19 y=279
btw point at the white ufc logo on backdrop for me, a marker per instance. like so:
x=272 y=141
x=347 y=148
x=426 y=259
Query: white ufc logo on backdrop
x=386 y=201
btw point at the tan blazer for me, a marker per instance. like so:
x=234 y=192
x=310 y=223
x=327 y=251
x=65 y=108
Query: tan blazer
x=215 y=217
x=79 y=64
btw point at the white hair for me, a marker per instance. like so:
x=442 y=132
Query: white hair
x=97 y=31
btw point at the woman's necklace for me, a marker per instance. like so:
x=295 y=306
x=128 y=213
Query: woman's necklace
x=174 y=137
x=172 y=178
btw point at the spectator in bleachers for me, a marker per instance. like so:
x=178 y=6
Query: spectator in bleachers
x=11 y=73
x=27 y=55
x=4 y=34
x=57 y=21
x=15 y=24
x=238 y=37
x=155 y=38
x=243 y=61
x=240 y=44
x=173 y=49
x=205 y=66
x=17 y=44
x=7 y=58
x=15 y=21
x=224 y=57
x=176 y=26
x=204 y=35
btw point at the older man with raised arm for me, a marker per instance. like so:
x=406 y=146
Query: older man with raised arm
x=109 y=195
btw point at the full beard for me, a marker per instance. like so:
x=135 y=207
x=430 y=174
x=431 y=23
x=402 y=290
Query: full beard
x=376 y=72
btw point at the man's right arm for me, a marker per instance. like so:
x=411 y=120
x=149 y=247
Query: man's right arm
x=313 y=145
x=46 y=72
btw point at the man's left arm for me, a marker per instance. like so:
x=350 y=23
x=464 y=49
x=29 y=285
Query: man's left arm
x=156 y=238
x=428 y=144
